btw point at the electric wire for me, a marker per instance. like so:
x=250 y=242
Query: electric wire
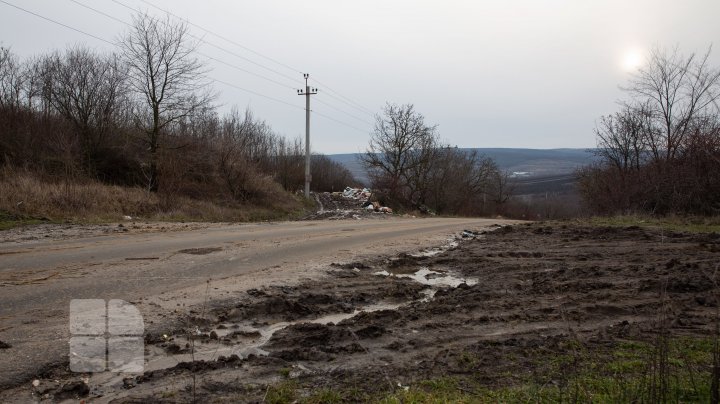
x=344 y=102
x=338 y=121
x=211 y=78
x=342 y=98
x=258 y=94
x=294 y=70
x=112 y=17
x=349 y=101
x=199 y=53
x=115 y=44
x=342 y=111
x=202 y=40
x=57 y=22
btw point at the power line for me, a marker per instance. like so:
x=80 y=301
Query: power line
x=245 y=70
x=57 y=22
x=100 y=12
x=340 y=122
x=224 y=38
x=199 y=53
x=348 y=104
x=348 y=100
x=258 y=94
x=342 y=98
x=213 y=79
x=115 y=44
x=344 y=112
x=220 y=47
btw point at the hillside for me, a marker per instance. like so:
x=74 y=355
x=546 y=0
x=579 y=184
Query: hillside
x=526 y=162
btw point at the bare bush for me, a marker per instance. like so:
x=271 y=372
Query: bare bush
x=168 y=80
x=412 y=169
x=660 y=153
x=87 y=90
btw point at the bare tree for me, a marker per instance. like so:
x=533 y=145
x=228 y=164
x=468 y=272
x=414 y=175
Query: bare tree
x=461 y=181
x=329 y=175
x=87 y=90
x=659 y=154
x=12 y=80
x=289 y=163
x=234 y=164
x=624 y=137
x=676 y=90
x=399 y=145
x=169 y=80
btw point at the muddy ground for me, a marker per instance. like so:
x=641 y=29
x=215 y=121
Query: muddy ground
x=484 y=307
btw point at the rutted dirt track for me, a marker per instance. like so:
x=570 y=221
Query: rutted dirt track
x=483 y=307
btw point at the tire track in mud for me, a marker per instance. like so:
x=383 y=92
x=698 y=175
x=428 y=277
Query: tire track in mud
x=540 y=288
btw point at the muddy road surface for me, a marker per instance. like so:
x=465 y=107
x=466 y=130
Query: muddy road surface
x=494 y=307
x=166 y=270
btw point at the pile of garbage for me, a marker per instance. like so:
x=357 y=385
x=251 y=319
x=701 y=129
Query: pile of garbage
x=357 y=193
x=375 y=207
x=363 y=195
x=352 y=203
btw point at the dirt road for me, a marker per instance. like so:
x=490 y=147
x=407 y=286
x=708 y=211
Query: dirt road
x=534 y=311
x=163 y=267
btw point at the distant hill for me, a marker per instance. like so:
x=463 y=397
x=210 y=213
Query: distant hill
x=352 y=163
x=525 y=163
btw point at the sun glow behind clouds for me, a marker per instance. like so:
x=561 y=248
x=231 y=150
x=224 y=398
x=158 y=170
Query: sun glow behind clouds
x=632 y=60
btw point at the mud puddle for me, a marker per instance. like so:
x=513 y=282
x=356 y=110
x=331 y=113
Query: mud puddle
x=247 y=330
x=432 y=278
x=240 y=339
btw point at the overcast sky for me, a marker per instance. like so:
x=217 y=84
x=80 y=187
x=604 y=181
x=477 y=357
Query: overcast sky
x=514 y=73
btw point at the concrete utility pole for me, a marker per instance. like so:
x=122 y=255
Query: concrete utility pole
x=307 y=93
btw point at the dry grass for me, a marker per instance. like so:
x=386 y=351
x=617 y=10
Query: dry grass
x=25 y=197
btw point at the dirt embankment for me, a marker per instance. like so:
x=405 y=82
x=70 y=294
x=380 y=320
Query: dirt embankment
x=486 y=309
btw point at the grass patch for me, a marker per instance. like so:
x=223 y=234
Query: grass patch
x=625 y=372
x=283 y=393
x=26 y=199
x=628 y=372
x=9 y=220
x=690 y=224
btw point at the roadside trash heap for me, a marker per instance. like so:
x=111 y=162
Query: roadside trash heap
x=357 y=193
x=363 y=195
x=375 y=207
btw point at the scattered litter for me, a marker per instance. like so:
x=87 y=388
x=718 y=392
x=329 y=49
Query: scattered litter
x=126 y=217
